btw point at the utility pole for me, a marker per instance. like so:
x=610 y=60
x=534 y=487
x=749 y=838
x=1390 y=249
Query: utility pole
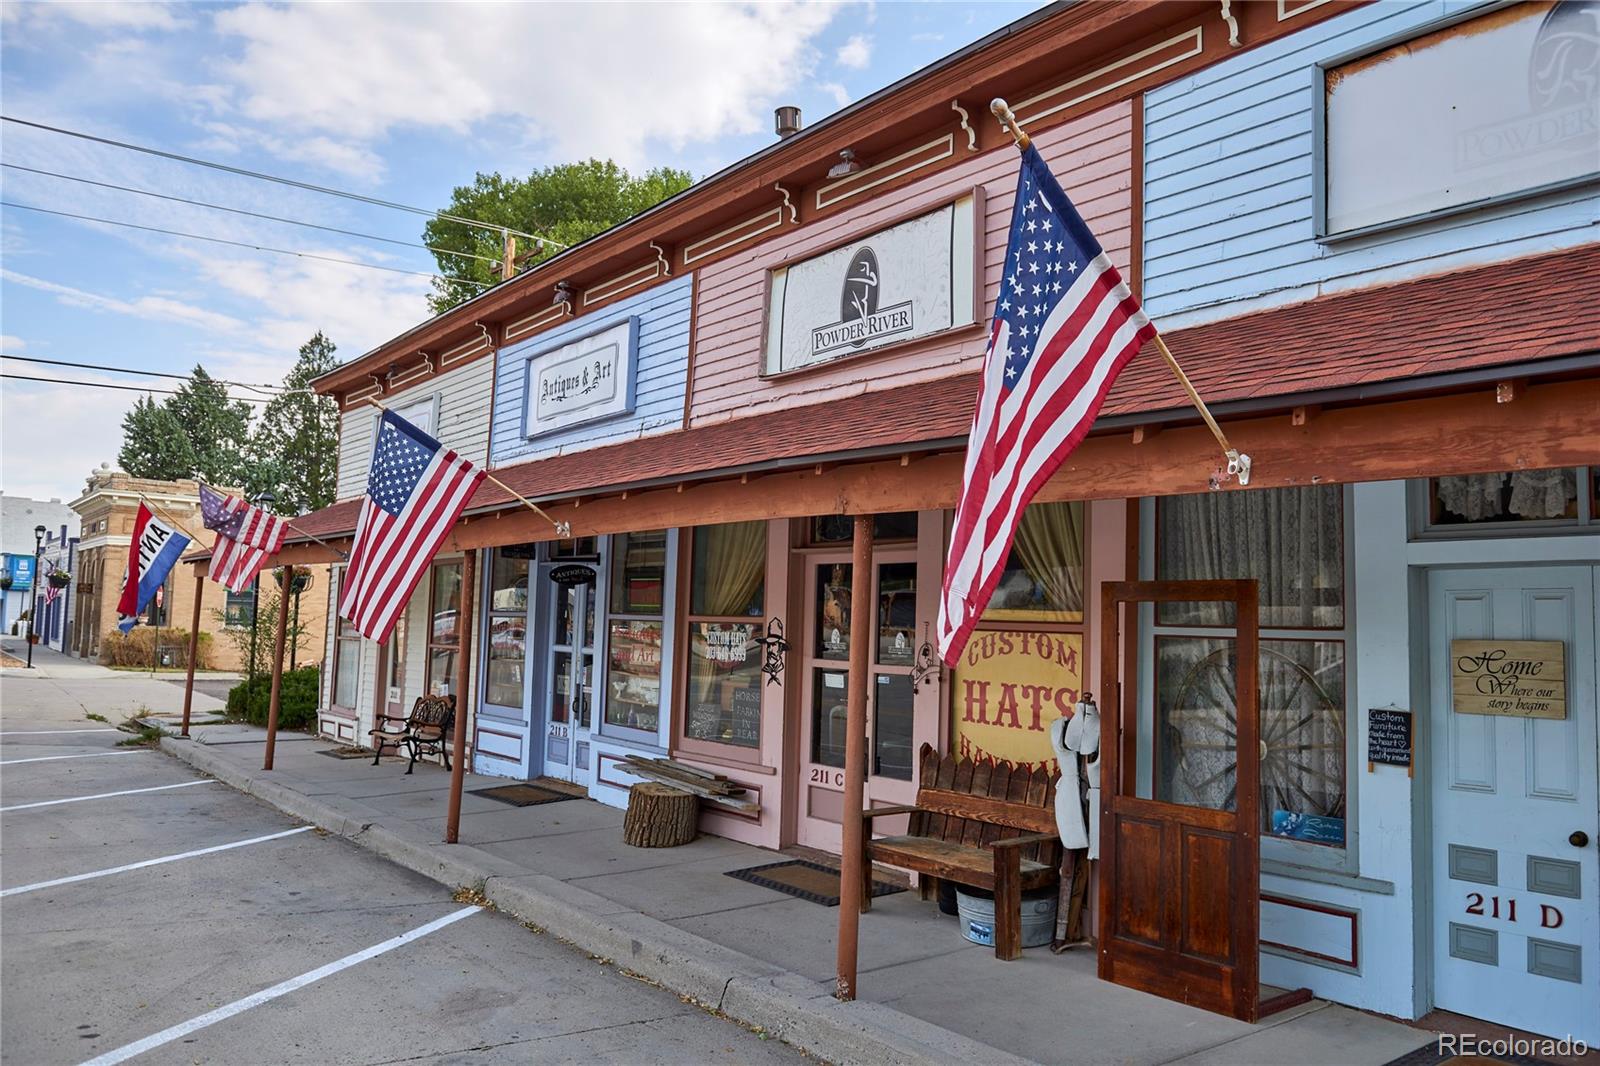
x=508 y=256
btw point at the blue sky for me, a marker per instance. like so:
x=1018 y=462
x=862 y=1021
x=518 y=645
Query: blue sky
x=395 y=101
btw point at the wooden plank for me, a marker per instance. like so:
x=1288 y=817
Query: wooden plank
x=982 y=772
x=982 y=809
x=999 y=785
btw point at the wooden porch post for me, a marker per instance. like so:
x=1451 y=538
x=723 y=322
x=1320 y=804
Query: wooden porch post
x=863 y=624
x=285 y=580
x=194 y=647
x=458 y=771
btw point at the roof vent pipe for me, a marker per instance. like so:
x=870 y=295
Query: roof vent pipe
x=787 y=121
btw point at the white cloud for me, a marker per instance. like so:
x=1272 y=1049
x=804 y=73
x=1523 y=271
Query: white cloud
x=841 y=95
x=31 y=412
x=154 y=308
x=119 y=15
x=12 y=345
x=856 y=53
x=674 y=73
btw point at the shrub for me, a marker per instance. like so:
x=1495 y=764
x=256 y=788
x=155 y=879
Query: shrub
x=134 y=649
x=251 y=699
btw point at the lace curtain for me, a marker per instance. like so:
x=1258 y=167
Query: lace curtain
x=730 y=564
x=1049 y=545
x=1534 y=494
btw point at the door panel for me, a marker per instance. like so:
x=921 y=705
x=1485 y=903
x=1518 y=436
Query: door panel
x=1180 y=872
x=1516 y=921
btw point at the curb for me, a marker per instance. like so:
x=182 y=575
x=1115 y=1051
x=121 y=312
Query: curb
x=785 y=1004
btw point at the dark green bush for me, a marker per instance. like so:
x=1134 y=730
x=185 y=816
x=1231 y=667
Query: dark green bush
x=297 y=709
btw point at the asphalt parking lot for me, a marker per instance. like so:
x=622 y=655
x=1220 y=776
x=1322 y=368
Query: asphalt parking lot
x=153 y=915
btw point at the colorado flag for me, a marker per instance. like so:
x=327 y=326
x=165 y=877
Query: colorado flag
x=155 y=549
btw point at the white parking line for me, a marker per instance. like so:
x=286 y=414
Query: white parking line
x=152 y=862
x=104 y=795
x=44 y=732
x=91 y=755
x=266 y=995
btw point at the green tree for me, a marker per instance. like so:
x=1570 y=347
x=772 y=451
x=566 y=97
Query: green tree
x=568 y=203
x=296 y=443
x=218 y=428
x=154 y=444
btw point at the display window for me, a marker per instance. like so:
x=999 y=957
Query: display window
x=635 y=634
x=723 y=629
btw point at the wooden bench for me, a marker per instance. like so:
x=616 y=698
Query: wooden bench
x=986 y=824
x=424 y=730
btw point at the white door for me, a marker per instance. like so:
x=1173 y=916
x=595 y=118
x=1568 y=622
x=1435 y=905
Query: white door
x=1516 y=873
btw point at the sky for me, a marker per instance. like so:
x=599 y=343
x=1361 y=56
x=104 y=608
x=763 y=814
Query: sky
x=400 y=102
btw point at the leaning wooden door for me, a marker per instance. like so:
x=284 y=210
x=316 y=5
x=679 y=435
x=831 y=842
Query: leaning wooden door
x=1179 y=866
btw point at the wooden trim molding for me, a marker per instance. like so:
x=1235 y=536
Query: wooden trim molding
x=736 y=234
x=464 y=352
x=1349 y=960
x=522 y=327
x=632 y=279
x=1288 y=10
x=836 y=192
x=1111 y=76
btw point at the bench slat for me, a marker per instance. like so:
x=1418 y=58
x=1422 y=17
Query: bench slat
x=951 y=861
x=980 y=809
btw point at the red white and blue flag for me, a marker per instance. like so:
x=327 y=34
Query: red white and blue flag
x=155 y=550
x=246 y=536
x=1064 y=326
x=416 y=490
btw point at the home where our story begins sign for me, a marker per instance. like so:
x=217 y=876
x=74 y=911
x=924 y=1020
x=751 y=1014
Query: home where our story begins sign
x=1514 y=678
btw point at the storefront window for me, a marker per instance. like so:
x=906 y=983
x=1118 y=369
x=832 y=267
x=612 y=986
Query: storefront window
x=635 y=631
x=346 y=658
x=728 y=565
x=508 y=629
x=1292 y=542
x=576 y=548
x=1043 y=576
x=444 y=629
x=1511 y=500
x=840 y=528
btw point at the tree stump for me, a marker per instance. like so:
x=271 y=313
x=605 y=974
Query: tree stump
x=660 y=816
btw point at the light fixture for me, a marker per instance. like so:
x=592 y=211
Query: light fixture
x=847 y=164
x=563 y=294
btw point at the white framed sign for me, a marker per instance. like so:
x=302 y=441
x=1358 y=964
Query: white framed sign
x=898 y=284
x=582 y=381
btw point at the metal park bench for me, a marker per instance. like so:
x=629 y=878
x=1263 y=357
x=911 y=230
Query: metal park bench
x=421 y=732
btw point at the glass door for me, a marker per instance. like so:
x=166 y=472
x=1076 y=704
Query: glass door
x=393 y=671
x=891 y=626
x=570 y=695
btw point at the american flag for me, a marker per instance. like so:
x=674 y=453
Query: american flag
x=1064 y=326
x=246 y=535
x=416 y=490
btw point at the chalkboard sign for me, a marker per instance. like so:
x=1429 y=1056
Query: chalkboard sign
x=747 y=717
x=1388 y=737
x=705 y=721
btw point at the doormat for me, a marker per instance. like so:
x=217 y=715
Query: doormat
x=807 y=880
x=348 y=752
x=1430 y=1055
x=523 y=795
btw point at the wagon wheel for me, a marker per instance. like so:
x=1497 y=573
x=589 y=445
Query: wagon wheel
x=1302 y=730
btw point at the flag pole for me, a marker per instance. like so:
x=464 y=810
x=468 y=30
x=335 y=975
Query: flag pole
x=185 y=530
x=563 y=529
x=340 y=552
x=1238 y=463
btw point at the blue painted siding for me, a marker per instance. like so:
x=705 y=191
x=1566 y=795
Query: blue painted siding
x=1229 y=173
x=661 y=365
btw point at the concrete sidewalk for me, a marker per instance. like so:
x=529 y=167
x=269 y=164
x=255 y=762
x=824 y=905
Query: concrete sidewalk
x=765 y=958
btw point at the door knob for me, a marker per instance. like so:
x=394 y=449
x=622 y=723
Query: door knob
x=1579 y=839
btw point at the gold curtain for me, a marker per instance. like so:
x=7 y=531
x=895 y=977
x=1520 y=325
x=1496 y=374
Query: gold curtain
x=732 y=563
x=1049 y=545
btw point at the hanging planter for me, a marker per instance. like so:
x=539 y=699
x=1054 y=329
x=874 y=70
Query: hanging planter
x=59 y=579
x=6 y=581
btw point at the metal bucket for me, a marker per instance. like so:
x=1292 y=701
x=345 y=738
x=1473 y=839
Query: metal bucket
x=1038 y=917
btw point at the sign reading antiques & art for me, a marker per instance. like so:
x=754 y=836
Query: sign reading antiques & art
x=897 y=284
x=1009 y=686
x=1514 y=678
x=583 y=381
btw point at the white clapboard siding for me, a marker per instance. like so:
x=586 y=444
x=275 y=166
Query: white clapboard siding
x=1228 y=179
x=463 y=424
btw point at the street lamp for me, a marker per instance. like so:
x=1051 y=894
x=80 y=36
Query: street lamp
x=33 y=611
x=264 y=501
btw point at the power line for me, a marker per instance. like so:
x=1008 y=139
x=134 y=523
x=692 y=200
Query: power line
x=252 y=214
x=281 y=181
x=108 y=385
x=271 y=389
x=242 y=244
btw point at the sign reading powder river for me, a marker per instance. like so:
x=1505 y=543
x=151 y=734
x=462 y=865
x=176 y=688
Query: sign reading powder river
x=1514 y=678
x=897 y=284
x=1009 y=686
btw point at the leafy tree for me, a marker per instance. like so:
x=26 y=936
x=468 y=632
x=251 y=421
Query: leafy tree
x=218 y=429
x=568 y=203
x=296 y=442
x=154 y=444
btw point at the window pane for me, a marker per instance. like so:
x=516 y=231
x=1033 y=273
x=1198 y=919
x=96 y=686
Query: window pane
x=829 y=717
x=508 y=638
x=897 y=613
x=633 y=682
x=891 y=726
x=347 y=674
x=1043 y=576
x=562 y=689
x=1518 y=496
x=729 y=569
x=1302 y=705
x=1290 y=540
x=239 y=608
x=441 y=671
x=576 y=548
x=638 y=572
x=833 y=612
x=509 y=584
x=724 y=699
x=840 y=528
x=446 y=600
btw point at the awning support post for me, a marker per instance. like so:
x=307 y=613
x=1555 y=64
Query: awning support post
x=458 y=743
x=863 y=623
x=285 y=580
x=194 y=649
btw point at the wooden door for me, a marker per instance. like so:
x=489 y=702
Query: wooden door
x=1179 y=868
